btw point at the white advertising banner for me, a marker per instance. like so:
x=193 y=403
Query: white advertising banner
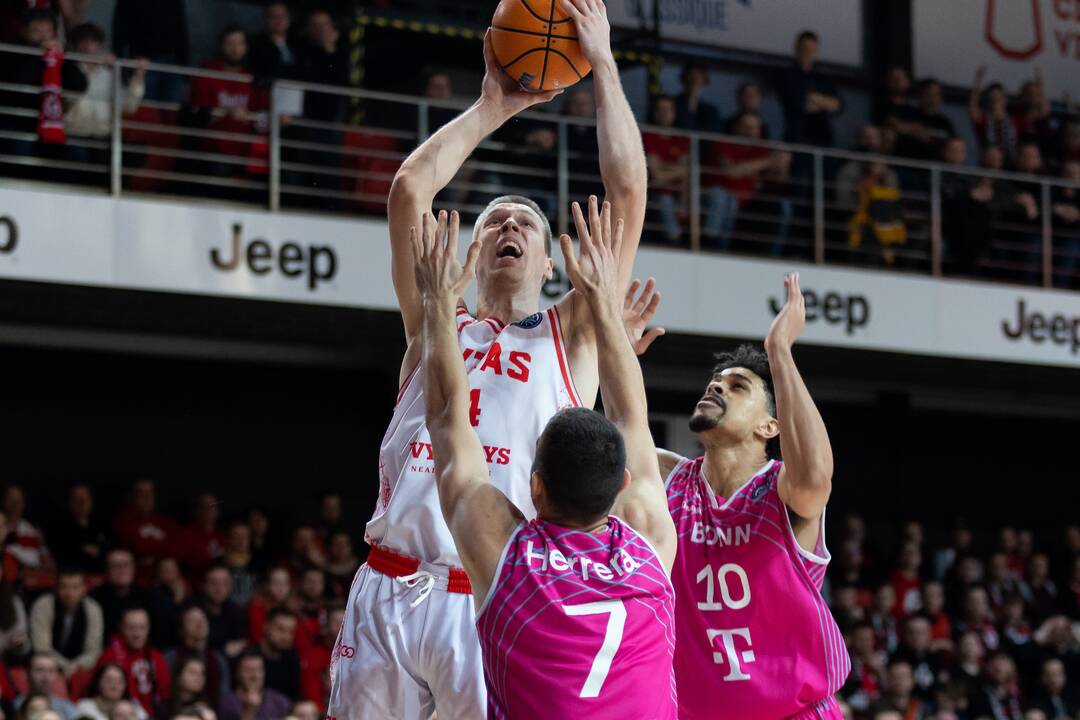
x=152 y=245
x=1010 y=37
x=764 y=26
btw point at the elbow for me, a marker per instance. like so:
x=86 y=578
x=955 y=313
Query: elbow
x=406 y=189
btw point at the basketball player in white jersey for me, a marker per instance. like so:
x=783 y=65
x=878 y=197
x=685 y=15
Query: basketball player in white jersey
x=408 y=645
x=603 y=542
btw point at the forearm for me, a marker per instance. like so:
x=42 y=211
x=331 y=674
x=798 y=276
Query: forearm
x=804 y=441
x=433 y=165
x=445 y=384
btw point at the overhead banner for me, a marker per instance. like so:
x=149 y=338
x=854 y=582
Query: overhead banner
x=171 y=247
x=1012 y=38
x=764 y=26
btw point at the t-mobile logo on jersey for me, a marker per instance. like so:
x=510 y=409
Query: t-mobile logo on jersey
x=318 y=263
x=733 y=656
x=852 y=311
x=9 y=235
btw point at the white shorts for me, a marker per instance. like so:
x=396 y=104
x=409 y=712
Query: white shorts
x=406 y=649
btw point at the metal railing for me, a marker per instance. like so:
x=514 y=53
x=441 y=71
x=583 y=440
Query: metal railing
x=734 y=194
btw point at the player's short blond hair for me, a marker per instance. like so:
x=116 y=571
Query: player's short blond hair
x=517 y=200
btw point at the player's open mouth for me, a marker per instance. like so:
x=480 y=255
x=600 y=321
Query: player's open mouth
x=713 y=400
x=510 y=249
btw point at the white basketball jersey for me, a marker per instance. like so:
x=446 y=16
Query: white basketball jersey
x=519 y=378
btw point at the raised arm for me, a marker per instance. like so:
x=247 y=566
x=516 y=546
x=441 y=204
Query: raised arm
x=433 y=165
x=480 y=517
x=643 y=503
x=975 y=97
x=806 y=477
x=622 y=158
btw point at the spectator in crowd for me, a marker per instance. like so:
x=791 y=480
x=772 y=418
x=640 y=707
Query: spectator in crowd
x=1015 y=629
x=305 y=550
x=898 y=693
x=978 y=618
x=312 y=607
x=147 y=533
x=341 y=564
x=315 y=660
x=156 y=31
x=882 y=617
x=1040 y=591
x=252 y=700
x=272 y=55
x=68 y=625
x=692 y=112
x=228 y=625
x=145 y=667
x=84 y=538
x=14 y=627
x=204 y=542
x=240 y=561
x=438 y=86
x=747 y=100
x=1034 y=117
x=38 y=31
x=1065 y=203
x=669 y=169
x=998 y=697
x=280 y=661
x=1001 y=581
x=925 y=129
x=119 y=592
x=194 y=644
x=742 y=170
x=276 y=593
x=1055 y=698
x=808 y=97
x=325 y=59
x=989 y=112
x=933 y=604
x=261 y=546
x=1070 y=142
x=306 y=710
x=893 y=106
x=90 y=115
x=228 y=105
x=954 y=153
x=967 y=670
x=131 y=710
x=581 y=140
x=168 y=597
x=864 y=684
x=188 y=686
x=43 y=678
x=25 y=542
x=330 y=510
x=107 y=689
x=849 y=178
x=915 y=650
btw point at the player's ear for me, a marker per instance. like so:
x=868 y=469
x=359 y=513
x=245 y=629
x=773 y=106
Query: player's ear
x=536 y=490
x=769 y=429
x=626 y=478
x=549 y=270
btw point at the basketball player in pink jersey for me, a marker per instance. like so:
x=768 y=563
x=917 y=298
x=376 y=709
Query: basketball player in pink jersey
x=575 y=609
x=408 y=645
x=756 y=641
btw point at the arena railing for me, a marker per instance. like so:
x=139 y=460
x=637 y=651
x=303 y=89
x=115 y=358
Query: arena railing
x=820 y=205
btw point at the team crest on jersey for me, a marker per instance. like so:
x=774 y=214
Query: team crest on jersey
x=760 y=490
x=530 y=322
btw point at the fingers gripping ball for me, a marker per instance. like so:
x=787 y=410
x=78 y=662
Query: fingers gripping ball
x=535 y=43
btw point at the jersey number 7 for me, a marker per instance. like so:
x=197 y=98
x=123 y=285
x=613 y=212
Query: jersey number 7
x=601 y=665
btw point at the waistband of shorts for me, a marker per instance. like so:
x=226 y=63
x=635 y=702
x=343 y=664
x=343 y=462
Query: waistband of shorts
x=395 y=564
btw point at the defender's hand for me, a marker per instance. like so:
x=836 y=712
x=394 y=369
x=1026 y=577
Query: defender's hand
x=638 y=313
x=594 y=270
x=791 y=320
x=439 y=275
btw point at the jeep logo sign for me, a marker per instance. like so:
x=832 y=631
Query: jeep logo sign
x=851 y=311
x=313 y=263
x=9 y=235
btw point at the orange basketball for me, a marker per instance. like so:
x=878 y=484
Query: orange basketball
x=536 y=43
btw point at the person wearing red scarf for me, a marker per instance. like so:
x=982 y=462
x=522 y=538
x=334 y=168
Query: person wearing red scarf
x=146 y=669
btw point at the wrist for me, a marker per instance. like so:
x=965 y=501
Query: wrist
x=439 y=305
x=492 y=114
x=777 y=350
x=605 y=65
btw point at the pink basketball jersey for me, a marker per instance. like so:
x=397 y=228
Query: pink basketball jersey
x=755 y=638
x=519 y=378
x=579 y=625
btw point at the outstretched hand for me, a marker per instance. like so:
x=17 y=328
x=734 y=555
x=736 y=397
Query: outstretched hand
x=439 y=274
x=592 y=26
x=637 y=314
x=594 y=269
x=791 y=320
x=503 y=91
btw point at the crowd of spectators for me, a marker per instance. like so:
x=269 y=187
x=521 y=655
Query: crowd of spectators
x=150 y=616
x=752 y=197
x=147 y=617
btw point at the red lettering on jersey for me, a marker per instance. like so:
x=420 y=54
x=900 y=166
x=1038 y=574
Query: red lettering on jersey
x=474 y=407
x=418 y=449
x=466 y=354
x=520 y=360
x=493 y=359
x=490 y=452
x=504 y=456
